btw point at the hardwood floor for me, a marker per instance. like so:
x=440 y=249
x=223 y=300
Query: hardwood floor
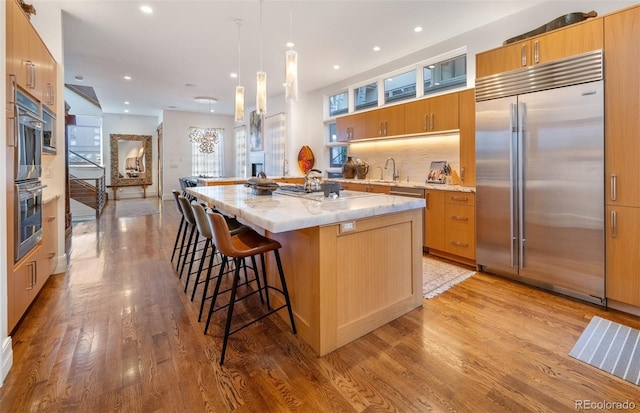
x=116 y=333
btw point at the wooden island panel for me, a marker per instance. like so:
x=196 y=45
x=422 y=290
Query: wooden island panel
x=345 y=285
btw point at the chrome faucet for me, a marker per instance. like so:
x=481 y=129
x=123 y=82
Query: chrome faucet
x=396 y=175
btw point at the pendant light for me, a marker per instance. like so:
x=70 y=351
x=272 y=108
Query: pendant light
x=291 y=67
x=239 y=115
x=261 y=79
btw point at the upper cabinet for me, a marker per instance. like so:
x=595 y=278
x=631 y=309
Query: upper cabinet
x=385 y=122
x=568 y=41
x=468 y=137
x=28 y=59
x=435 y=114
x=350 y=127
x=622 y=103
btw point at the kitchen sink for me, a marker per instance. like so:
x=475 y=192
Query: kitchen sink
x=291 y=190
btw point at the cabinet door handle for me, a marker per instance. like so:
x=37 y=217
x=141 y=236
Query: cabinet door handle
x=524 y=54
x=459 y=218
x=51 y=95
x=614 y=224
x=431 y=121
x=426 y=201
x=536 y=52
x=614 y=184
x=385 y=128
x=460 y=244
x=424 y=122
x=459 y=198
x=52 y=254
x=462 y=174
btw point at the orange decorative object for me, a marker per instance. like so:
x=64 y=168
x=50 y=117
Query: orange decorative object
x=306 y=159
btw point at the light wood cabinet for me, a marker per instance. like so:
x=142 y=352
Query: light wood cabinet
x=350 y=127
x=623 y=245
x=468 y=138
x=450 y=225
x=568 y=41
x=385 y=122
x=366 y=187
x=460 y=224
x=49 y=253
x=28 y=59
x=435 y=114
x=434 y=223
x=622 y=155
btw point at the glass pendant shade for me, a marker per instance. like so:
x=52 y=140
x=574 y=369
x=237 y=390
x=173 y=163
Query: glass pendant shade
x=291 y=75
x=261 y=93
x=239 y=104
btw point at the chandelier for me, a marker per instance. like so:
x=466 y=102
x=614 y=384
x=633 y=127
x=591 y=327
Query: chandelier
x=207 y=138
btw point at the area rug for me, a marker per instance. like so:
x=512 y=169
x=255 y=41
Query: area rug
x=439 y=275
x=611 y=347
x=126 y=208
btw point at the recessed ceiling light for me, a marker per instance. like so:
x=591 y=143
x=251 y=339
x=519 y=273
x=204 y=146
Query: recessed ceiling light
x=211 y=110
x=376 y=48
x=417 y=29
x=127 y=77
x=126 y=111
x=126 y=102
x=205 y=99
x=432 y=67
x=336 y=67
x=189 y=85
x=146 y=9
x=234 y=75
x=79 y=78
x=290 y=44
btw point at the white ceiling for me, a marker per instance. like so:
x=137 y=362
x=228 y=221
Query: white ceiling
x=196 y=42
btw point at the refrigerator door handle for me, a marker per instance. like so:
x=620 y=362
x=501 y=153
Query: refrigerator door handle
x=520 y=189
x=513 y=119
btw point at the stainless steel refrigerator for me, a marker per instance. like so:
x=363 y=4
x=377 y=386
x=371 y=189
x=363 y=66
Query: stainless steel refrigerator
x=540 y=175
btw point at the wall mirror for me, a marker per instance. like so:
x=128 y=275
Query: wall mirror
x=131 y=157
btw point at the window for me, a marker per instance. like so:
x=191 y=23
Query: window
x=207 y=164
x=85 y=139
x=240 y=136
x=366 y=96
x=446 y=74
x=274 y=140
x=339 y=104
x=337 y=154
x=400 y=87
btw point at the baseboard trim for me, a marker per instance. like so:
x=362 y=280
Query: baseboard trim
x=61 y=264
x=626 y=308
x=7 y=358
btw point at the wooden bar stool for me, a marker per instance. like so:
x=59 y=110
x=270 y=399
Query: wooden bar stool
x=238 y=247
x=192 y=244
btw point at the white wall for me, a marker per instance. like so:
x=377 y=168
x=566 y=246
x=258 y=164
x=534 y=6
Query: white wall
x=177 y=148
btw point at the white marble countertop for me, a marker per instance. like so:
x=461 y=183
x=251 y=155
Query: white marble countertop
x=407 y=184
x=280 y=213
x=404 y=184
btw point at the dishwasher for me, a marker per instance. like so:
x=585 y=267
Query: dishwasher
x=412 y=193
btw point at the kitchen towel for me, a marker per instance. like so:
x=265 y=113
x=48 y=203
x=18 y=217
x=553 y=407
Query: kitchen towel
x=611 y=347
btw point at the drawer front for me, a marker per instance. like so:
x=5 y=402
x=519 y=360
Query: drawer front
x=461 y=243
x=461 y=217
x=460 y=198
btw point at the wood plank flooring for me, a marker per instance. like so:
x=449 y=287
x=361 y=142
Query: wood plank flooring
x=116 y=333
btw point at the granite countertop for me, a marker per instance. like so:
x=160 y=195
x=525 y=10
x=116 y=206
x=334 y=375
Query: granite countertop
x=281 y=212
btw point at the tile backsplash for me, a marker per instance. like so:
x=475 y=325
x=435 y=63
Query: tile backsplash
x=413 y=156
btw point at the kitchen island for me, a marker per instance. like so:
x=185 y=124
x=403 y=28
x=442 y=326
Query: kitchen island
x=352 y=263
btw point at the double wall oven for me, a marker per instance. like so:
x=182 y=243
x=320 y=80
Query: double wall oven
x=28 y=171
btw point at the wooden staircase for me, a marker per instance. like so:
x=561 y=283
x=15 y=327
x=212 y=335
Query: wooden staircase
x=87 y=193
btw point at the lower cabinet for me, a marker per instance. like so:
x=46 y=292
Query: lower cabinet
x=450 y=225
x=365 y=187
x=31 y=273
x=622 y=246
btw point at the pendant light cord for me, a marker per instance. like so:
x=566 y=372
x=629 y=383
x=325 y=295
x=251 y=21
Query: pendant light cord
x=261 y=35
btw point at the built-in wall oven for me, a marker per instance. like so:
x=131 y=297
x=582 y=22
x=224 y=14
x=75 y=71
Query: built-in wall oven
x=28 y=217
x=28 y=151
